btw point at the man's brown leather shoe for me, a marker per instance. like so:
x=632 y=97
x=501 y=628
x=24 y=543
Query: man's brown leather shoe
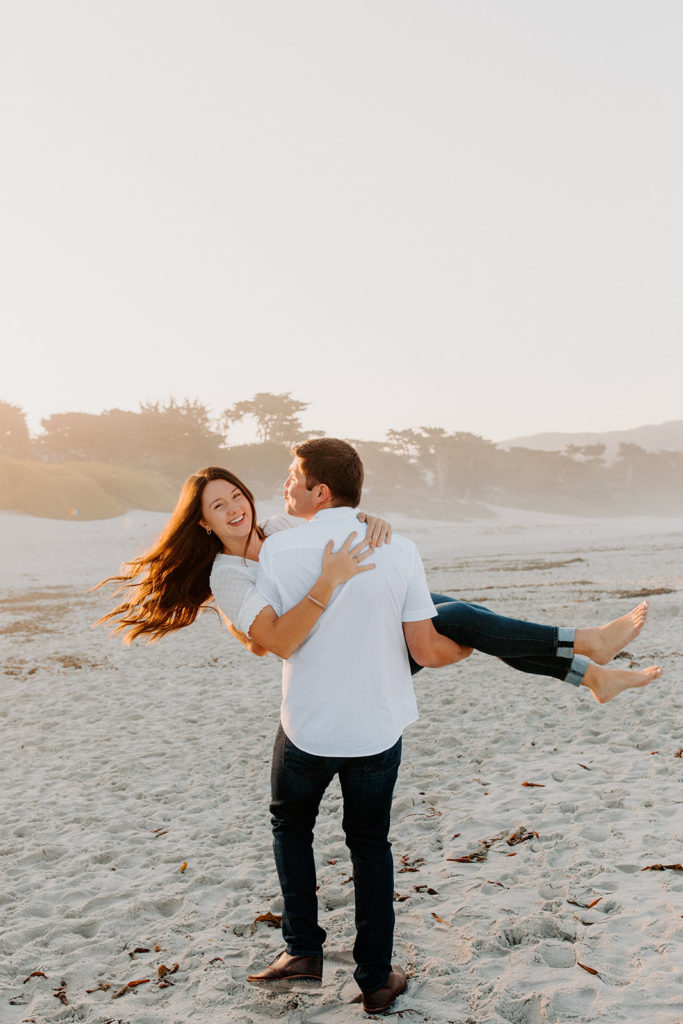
x=291 y=968
x=378 y=1002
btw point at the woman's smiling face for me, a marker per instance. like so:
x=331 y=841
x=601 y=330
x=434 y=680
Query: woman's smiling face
x=226 y=512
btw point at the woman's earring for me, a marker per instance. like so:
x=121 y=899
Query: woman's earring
x=208 y=533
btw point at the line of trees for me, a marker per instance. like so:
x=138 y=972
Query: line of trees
x=409 y=466
x=175 y=437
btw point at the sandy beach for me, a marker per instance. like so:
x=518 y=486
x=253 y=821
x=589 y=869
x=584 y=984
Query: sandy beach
x=135 y=842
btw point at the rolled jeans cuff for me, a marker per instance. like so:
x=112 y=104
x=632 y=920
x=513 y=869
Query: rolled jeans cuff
x=577 y=670
x=565 y=642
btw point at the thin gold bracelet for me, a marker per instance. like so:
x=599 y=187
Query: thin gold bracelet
x=315 y=601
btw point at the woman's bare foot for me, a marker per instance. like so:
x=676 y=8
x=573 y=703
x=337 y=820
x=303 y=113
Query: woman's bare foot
x=601 y=643
x=607 y=683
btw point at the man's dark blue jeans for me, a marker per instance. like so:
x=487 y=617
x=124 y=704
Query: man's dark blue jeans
x=367 y=783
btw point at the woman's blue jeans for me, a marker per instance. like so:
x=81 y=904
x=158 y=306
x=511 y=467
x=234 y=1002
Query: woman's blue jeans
x=298 y=782
x=526 y=646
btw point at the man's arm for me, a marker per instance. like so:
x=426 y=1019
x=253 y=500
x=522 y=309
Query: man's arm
x=283 y=634
x=250 y=644
x=429 y=648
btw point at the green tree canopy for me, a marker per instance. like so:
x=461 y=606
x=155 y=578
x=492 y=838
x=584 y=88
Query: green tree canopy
x=14 y=436
x=177 y=437
x=277 y=417
x=589 y=451
x=459 y=464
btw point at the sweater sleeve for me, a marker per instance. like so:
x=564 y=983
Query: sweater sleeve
x=276 y=523
x=236 y=595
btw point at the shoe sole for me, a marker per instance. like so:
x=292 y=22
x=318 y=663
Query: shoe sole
x=306 y=979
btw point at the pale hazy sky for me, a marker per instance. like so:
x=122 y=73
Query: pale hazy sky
x=454 y=213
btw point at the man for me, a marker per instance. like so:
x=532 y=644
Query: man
x=347 y=696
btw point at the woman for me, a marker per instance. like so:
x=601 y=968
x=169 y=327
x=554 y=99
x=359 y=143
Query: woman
x=167 y=587
x=210 y=547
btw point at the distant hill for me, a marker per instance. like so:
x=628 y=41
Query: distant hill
x=659 y=437
x=83 y=490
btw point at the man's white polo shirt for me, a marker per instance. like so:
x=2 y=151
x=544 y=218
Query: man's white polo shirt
x=347 y=690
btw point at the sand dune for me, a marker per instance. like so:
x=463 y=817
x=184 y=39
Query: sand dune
x=135 y=829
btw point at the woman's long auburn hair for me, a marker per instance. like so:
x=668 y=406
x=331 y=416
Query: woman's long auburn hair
x=166 y=588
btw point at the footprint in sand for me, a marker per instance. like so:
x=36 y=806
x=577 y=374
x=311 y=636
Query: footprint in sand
x=558 y=954
x=551 y=890
x=86 y=929
x=531 y=930
x=595 y=834
x=528 y=1010
x=39 y=908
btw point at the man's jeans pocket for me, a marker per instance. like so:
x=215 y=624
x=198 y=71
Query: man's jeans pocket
x=307 y=766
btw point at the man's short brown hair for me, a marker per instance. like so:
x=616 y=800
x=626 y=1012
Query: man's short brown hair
x=327 y=460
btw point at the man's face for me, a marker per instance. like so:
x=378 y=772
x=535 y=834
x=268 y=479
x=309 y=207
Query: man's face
x=299 y=501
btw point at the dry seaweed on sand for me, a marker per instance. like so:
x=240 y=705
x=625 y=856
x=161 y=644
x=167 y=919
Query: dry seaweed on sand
x=273 y=920
x=129 y=986
x=591 y=970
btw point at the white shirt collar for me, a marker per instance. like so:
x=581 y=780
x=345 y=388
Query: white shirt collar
x=338 y=512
